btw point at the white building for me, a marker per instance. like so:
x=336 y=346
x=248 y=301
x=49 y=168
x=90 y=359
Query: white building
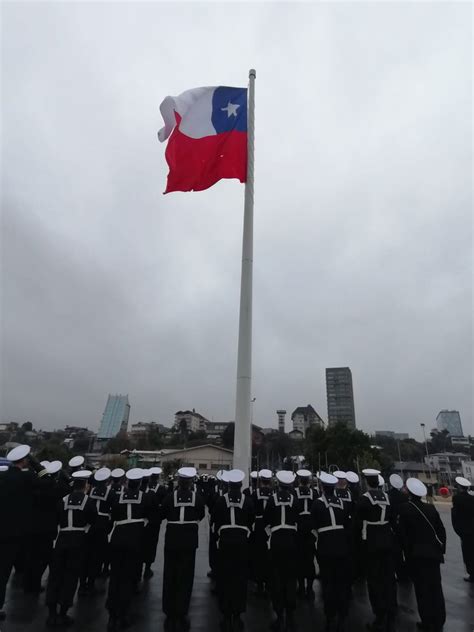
x=207 y=459
x=468 y=470
x=304 y=417
x=449 y=465
x=194 y=421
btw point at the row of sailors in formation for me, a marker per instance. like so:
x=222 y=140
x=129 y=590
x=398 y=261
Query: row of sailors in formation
x=271 y=534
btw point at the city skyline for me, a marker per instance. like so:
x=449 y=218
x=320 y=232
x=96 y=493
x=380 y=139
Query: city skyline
x=363 y=223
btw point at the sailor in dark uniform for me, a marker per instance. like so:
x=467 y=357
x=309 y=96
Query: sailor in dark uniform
x=462 y=516
x=18 y=485
x=152 y=529
x=398 y=497
x=183 y=509
x=332 y=527
x=117 y=476
x=280 y=519
x=353 y=485
x=131 y=509
x=219 y=490
x=375 y=531
x=233 y=519
x=76 y=463
x=423 y=539
x=259 y=538
x=97 y=536
x=342 y=491
x=305 y=542
x=76 y=514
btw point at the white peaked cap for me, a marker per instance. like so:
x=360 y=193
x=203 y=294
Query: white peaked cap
x=327 y=479
x=265 y=474
x=54 y=467
x=135 y=474
x=18 y=453
x=118 y=472
x=340 y=474
x=187 y=472
x=286 y=477
x=82 y=474
x=3 y=468
x=381 y=480
x=225 y=476
x=352 y=477
x=396 y=481
x=102 y=474
x=253 y=475
x=76 y=461
x=44 y=464
x=370 y=472
x=236 y=476
x=416 y=487
x=464 y=482
x=303 y=473
x=219 y=475
x=155 y=471
x=145 y=472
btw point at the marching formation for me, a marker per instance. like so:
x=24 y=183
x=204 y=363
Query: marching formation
x=274 y=534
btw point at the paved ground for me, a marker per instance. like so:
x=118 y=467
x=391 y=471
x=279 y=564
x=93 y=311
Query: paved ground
x=28 y=615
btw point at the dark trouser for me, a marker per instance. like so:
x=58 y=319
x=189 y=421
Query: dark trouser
x=125 y=566
x=381 y=583
x=467 y=546
x=212 y=549
x=305 y=552
x=65 y=569
x=95 y=554
x=178 y=580
x=426 y=577
x=151 y=535
x=38 y=555
x=336 y=578
x=9 y=551
x=260 y=556
x=283 y=578
x=232 y=577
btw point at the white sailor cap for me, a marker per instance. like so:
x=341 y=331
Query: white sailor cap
x=118 y=472
x=155 y=471
x=76 y=461
x=396 y=481
x=3 y=468
x=463 y=482
x=236 y=476
x=381 y=480
x=82 y=474
x=265 y=474
x=303 y=473
x=54 y=467
x=187 y=472
x=370 y=472
x=327 y=479
x=285 y=477
x=135 y=474
x=352 y=477
x=340 y=474
x=416 y=487
x=225 y=476
x=18 y=453
x=145 y=472
x=102 y=474
x=44 y=464
x=219 y=475
x=254 y=475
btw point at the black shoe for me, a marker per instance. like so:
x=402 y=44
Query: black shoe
x=52 y=621
x=83 y=590
x=341 y=624
x=64 y=620
x=310 y=593
x=330 y=625
x=148 y=573
x=112 y=625
x=277 y=625
x=237 y=622
x=3 y=615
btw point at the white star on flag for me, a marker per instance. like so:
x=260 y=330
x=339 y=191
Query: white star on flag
x=231 y=109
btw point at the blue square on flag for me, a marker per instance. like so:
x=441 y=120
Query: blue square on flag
x=229 y=109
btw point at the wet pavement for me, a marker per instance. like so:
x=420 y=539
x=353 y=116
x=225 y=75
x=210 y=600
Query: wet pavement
x=26 y=614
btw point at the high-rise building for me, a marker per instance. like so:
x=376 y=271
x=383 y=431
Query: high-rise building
x=450 y=420
x=115 y=417
x=340 y=396
x=304 y=417
x=281 y=420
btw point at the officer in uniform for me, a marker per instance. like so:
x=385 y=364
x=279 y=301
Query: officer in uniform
x=398 y=497
x=152 y=529
x=462 y=516
x=424 y=544
x=305 y=550
x=183 y=509
x=97 y=536
x=76 y=514
x=259 y=537
x=332 y=527
x=233 y=519
x=280 y=519
x=374 y=528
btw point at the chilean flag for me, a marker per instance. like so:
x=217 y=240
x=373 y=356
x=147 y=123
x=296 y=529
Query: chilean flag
x=207 y=131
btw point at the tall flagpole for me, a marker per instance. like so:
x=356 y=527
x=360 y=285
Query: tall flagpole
x=242 y=438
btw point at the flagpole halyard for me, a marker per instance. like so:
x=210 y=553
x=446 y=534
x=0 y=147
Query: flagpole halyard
x=242 y=437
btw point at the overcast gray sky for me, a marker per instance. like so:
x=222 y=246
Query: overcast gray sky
x=363 y=211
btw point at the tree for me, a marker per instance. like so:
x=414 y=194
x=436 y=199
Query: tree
x=440 y=441
x=228 y=436
x=170 y=467
x=52 y=450
x=118 y=444
x=27 y=426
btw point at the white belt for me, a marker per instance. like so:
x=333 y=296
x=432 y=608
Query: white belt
x=331 y=528
x=183 y=521
x=234 y=526
x=378 y=523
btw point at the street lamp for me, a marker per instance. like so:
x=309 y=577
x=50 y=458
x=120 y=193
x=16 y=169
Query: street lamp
x=426 y=448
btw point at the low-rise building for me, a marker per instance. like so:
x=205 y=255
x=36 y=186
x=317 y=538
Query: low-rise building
x=449 y=465
x=468 y=470
x=304 y=417
x=207 y=459
x=398 y=436
x=194 y=421
x=412 y=469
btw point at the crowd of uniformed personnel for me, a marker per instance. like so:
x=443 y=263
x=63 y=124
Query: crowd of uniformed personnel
x=83 y=524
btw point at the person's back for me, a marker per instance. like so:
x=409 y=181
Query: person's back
x=422 y=532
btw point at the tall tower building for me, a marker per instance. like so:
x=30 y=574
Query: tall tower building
x=340 y=396
x=450 y=420
x=281 y=420
x=115 y=417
